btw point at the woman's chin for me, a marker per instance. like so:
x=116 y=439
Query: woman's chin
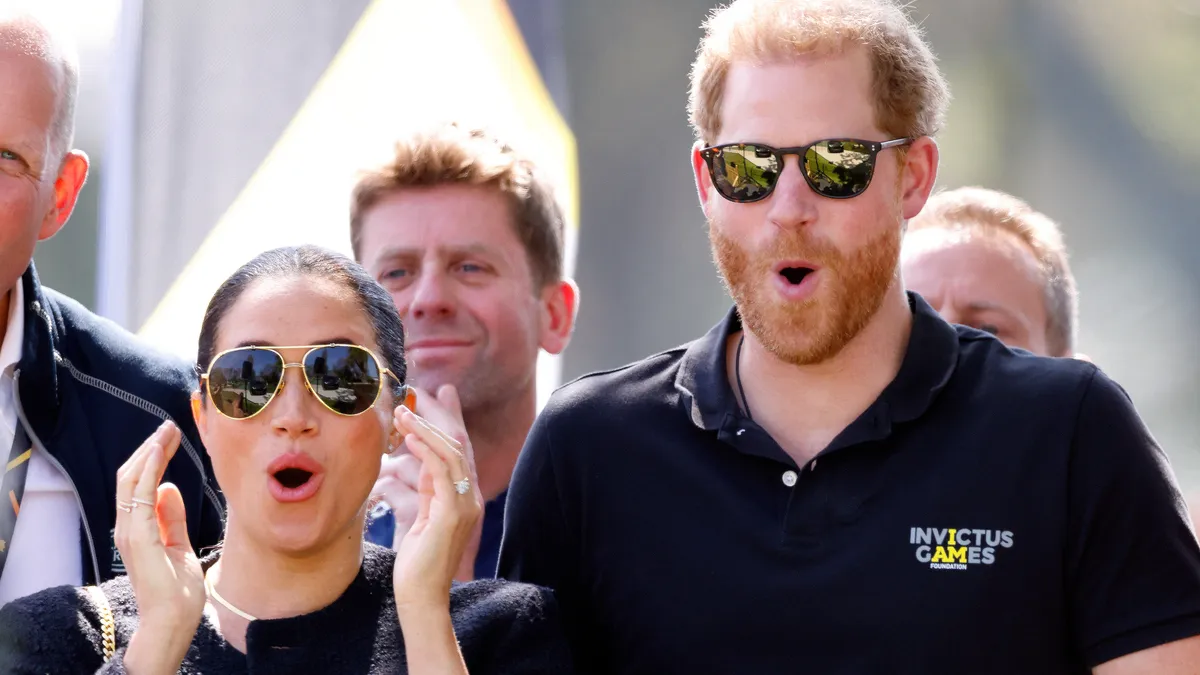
x=300 y=536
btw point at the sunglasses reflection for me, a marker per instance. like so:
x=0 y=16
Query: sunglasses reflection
x=346 y=379
x=836 y=168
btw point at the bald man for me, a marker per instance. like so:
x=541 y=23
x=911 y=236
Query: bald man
x=986 y=259
x=77 y=394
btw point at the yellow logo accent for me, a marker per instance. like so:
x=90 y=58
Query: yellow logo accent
x=2 y=545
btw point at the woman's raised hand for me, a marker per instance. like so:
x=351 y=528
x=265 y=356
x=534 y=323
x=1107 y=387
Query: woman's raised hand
x=151 y=535
x=448 y=507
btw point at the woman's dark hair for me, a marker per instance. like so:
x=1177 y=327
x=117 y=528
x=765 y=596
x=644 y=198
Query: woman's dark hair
x=321 y=263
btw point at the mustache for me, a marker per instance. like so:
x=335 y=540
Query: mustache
x=788 y=243
x=799 y=245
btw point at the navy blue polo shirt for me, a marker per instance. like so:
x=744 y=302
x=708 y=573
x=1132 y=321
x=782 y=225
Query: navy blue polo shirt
x=991 y=512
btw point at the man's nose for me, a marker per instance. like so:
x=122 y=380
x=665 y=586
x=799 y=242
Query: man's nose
x=432 y=297
x=793 y=202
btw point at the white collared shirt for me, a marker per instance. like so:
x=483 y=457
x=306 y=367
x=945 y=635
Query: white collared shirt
x=45 y=546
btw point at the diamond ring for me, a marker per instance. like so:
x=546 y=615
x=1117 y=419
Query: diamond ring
x=463 y=486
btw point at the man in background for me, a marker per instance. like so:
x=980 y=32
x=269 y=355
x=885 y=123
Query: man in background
x=466 y=235
x=77 y=394
x=986 y=259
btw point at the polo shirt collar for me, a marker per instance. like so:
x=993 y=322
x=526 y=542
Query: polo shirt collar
x=707 y=397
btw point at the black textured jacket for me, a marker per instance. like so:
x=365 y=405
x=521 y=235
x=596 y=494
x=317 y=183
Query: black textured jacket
x=502 y=627
x=89 y=393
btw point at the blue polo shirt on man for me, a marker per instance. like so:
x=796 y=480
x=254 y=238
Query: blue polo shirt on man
x=991 y=512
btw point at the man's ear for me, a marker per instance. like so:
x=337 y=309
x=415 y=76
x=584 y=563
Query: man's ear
x=704 y=186
x=71 y=177
x=920 y=174
x=560 y=306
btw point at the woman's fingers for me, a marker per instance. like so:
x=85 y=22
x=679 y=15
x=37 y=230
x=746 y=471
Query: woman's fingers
x=129 y=476
x=446 y=448
x=425 y=490
x=410 y=422
x=434 y=465
x=143 y=520
x=172 y=518
x=131 y=470
x=160 y=451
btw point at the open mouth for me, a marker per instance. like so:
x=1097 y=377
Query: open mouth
x=795 y=275
x=292 y=478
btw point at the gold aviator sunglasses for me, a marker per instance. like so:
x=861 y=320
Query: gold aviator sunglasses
x=347 y=379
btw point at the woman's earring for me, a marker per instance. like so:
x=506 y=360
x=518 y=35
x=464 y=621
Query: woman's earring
x=392 y=448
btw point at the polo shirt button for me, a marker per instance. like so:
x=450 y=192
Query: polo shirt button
x=789 y=478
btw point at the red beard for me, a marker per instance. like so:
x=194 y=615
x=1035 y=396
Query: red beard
x=851 y=289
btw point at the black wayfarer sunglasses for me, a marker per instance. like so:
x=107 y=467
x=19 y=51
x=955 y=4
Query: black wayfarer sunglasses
x=838 y=168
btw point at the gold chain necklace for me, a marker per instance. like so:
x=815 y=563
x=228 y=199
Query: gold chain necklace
x=212 y=590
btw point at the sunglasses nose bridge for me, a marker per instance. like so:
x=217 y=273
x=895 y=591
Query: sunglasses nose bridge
x=792 y=175
x=792 y=163
x=292 y=400
x=793 y=202
x=283 y=379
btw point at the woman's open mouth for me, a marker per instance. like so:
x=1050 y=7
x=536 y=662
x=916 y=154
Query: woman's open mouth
x=294 y=477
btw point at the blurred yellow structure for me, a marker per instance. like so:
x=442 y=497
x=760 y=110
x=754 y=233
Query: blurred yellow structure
x=406 y=64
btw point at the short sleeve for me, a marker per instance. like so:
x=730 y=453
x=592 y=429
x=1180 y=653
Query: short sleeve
x=1132 y=558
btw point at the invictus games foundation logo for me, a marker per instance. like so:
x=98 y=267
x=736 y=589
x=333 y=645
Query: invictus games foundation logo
x=957 y=548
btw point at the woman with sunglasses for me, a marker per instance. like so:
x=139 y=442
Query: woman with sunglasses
x=296 y=435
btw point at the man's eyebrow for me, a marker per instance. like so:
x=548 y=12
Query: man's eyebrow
x=391 y=252
x=984 y=306
x=394 y=252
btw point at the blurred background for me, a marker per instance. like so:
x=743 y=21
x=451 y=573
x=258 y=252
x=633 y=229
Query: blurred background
x=220 y=128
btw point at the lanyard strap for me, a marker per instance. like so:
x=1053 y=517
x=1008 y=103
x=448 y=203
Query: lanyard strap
x=12 y=489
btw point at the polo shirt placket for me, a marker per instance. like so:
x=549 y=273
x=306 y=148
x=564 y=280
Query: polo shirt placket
x=975 y=518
